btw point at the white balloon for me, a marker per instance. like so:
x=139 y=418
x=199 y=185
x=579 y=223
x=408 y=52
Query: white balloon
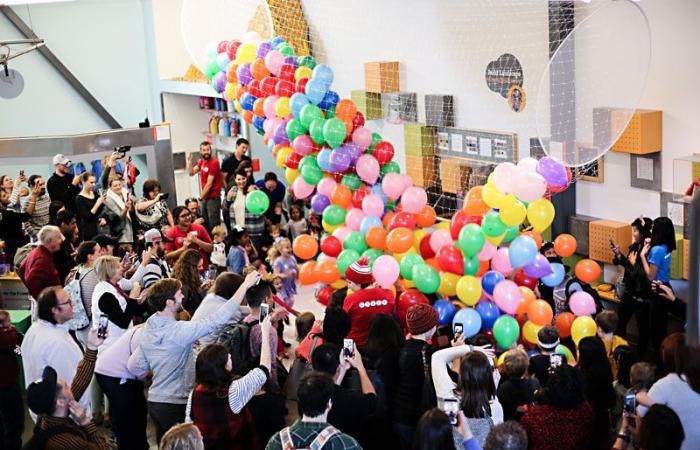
x=530 y=186
x=504 y=176
x=252 y=36
x=528 y=164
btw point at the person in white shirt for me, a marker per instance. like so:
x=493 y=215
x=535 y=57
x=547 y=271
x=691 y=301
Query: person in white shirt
x=224 y=287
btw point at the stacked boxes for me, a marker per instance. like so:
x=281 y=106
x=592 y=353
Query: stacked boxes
x=382 y=76
x=439 y=110
x=419 y=139
x=578 y=228
x=453 y=175
x=400 y=107
x=422 y=170
x=600 y=232
x=643 y=133
x=368 y=103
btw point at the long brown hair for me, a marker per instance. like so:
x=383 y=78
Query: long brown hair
x=186 y=269
x=476 y=385
x=210 y=369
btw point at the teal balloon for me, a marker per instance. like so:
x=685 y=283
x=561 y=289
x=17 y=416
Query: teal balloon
x=390 y=167
x=512 y=233
x=471 y=265
x=308 y=114
x=295 y=128
x=311 y=174
x=355 y=241
x=346 y=257
x=334 y=215
x=372 y=254
x=257 y=202
x=306 y=61
x=334 y=132
x=407 y=263
x=352 y=181
x=471 y=239
x=492 y=225
x=316 y=131
x=426 y=279
x=506 y=331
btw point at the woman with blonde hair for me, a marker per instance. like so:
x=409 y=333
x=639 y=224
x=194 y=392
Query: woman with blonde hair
x=183 y=436
x=187 y=269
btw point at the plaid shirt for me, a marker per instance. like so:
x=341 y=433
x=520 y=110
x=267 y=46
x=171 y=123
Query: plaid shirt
x=303 y=434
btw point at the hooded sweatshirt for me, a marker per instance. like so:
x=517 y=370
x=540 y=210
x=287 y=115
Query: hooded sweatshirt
x=166 y=349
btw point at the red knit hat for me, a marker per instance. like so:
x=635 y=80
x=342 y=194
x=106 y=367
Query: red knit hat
x=359 y=272
x=421 y=318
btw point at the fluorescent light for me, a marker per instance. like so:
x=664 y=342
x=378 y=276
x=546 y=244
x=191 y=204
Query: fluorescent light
x=30 y=2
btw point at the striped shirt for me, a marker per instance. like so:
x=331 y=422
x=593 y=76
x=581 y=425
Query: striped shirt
x=40 y=217
x=240 y=391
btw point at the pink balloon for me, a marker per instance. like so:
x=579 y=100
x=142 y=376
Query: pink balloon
x=341 y=232
x=527 y=165
x=385 y=271
x=353 y=218
x=302 y=189
x=529 y=186
x=302 y=145
x=324 y=257
x=326 y=185
x=581 y=303
x=274 y=61
x=367 y=168
x=414 y=200
x=501 y=262
x=362 y=137
x=393 y=185
x=407 y=181
x=440 y=238
x=507 y=296
x=487 y=252
x=504 y=176
x=372 y=205
x=269 y=106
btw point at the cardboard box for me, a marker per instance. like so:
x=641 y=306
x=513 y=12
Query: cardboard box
x=439 y=110
x=600 y=232
x=382 y=76
x=578 y=228
x=419 y=139
x=368 y=103
x=398 y=107
x=422 y=170
x=643 y=133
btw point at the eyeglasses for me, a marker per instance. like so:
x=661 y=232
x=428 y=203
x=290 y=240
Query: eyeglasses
x=185 y=214
x=67 y=302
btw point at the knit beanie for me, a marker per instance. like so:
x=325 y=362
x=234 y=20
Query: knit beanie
x=421 y=318
x=359 y=272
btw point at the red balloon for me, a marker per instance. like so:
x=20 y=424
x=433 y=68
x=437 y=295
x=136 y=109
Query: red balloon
x=324 y=295
x=383 y=151
x=232 y=48
x=426 y=251
x=293 y=160
x=221 y=47
x=564 y=322
x=300 y=86
x=331 y=246
x=284 y=88
x=407 y=299
x=254 y=89
x=359 y=195
x=459 y=220
x=287 y=72
x=450 y=259
x=267 y=86
x=358 y=120
x=403 y=219
x=557 y=189
x=522 y=279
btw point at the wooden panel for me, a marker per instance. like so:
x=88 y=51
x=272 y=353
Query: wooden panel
x=382 y=76
x=599 y=234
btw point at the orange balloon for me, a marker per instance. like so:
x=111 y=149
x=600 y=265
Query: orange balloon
x=483 y=268
x=387 y=218
x=247 y=116
x=327 y=272
x=527 y=297
x=307 y=273
x=563 y=323
x=240 y=90
x=305 y=247
x=565 y=245
x=258 y=107
x=537 y=237
x=426 y=217
x=473 y=203
x=432 y=262
x=341 y=195
x=348 y=125
x=231 y=74
x=345 y=110
x=259 y=70
x=540 y=313
x=587 y=270
x=376 y=238
x=399 y=240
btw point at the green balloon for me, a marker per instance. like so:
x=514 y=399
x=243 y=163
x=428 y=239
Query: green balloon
x=295 y=128
x=308 y=160
x=426 y=279
x=390 y=167
x=306 y=61
x=211 y=68
x=334 y=132
x=506 y=331
x=286 y=49
x=407 y=263
x=257 y=202
x=492 y=225
x=330 y=112
x=471 y=239
x=354 y=241
x=471 y=266
x=316 y=131
x=352 y=181
x=334 y=215
x=376 y=137
x=512 y=233
x=346 y=257
x=311 y=174
x=308 y=114
x=372 y=254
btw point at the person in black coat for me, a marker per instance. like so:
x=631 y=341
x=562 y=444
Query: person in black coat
x=516 y=390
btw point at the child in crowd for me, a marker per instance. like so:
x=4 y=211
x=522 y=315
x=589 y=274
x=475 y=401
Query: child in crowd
x=297 y=224
x=607 y=324
x=315 y=228
x=218 y=254
x=547 y=341
x=284 y=266
x=516 y=392
x=303 y=324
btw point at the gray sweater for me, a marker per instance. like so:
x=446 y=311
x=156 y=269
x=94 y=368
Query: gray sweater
x=166 y=349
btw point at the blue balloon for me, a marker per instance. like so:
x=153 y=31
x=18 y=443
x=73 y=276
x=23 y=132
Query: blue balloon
x=323 y=74
x=315 y=91
x=470 y=320
x=369 y=222
x=258 y=122
x=222 y=60
x=276 y=41
x=555 y=278
x=489 y=313
x=296 y=102
x=324 y=159
x=329 y=100
x=247 y=101
x=378 y=190
x=531 y=353
x=522 y=251
x=445 y=310
x=490 y=280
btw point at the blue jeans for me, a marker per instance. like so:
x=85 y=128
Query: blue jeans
x=405 y=435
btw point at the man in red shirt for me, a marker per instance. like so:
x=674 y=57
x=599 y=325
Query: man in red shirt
x=210 y=182
x=38 y=270
x=186 y=234
x=365 y=302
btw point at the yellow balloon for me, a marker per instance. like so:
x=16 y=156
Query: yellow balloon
x=492 y=196
x=291 y=174
x=246 y=53
x=340 y=284
x=282 y=107
x=418 y=236
x=501 y=359
x=409 y=284
x=469 y=290
x=582 y=327
x=282 y=155
x=238 y=106
x=443 y=226
x=302 y=72
x=496 y=240
x=230 y=91
x=513 y=214
x=328 y=227
x=540 y=214
x=399 y=256
x=448 y=284
x=530 y=332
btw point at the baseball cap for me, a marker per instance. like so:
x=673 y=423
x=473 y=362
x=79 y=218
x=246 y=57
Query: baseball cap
x=104 y=240
x=61 y=159
x=41 y=394
x=154 y=235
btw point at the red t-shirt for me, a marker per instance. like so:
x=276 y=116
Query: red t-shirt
x=178 y=237
x=207 y=169
x=361 y=306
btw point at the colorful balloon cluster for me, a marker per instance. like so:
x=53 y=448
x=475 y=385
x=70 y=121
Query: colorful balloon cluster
x=369 y=208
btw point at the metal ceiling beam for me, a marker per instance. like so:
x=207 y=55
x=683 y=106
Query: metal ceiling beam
x=23 y=28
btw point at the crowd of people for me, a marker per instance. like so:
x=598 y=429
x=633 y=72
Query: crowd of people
x=195 y=299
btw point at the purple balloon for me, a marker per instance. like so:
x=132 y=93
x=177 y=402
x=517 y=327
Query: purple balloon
x=244 y=75
x=280 y=135
x=539 y=267
x=263 y=49
x=319 y=202
x=354 y=152
x=220 y=81
x=290 y=60
x=340 y=160
x=552 y=171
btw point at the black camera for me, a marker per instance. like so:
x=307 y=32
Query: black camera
x=122 y=150
x=164 y=196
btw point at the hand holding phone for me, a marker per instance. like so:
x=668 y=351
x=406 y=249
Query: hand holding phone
x=102 y=326
x=630 y=405
x=348 y=348
x=555 y=360
x=459 y=329
x=264 y=311
x=451 y=407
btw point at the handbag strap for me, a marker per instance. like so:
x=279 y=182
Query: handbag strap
x=424 y=357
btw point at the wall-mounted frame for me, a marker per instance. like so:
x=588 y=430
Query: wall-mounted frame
x=477 y=145
x=594 y=171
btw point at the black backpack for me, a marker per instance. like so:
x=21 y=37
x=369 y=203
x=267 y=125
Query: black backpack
x=41 y=437
x=236 y=338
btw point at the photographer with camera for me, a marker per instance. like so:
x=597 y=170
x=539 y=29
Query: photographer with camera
x=152 y=210
x=61 y=185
